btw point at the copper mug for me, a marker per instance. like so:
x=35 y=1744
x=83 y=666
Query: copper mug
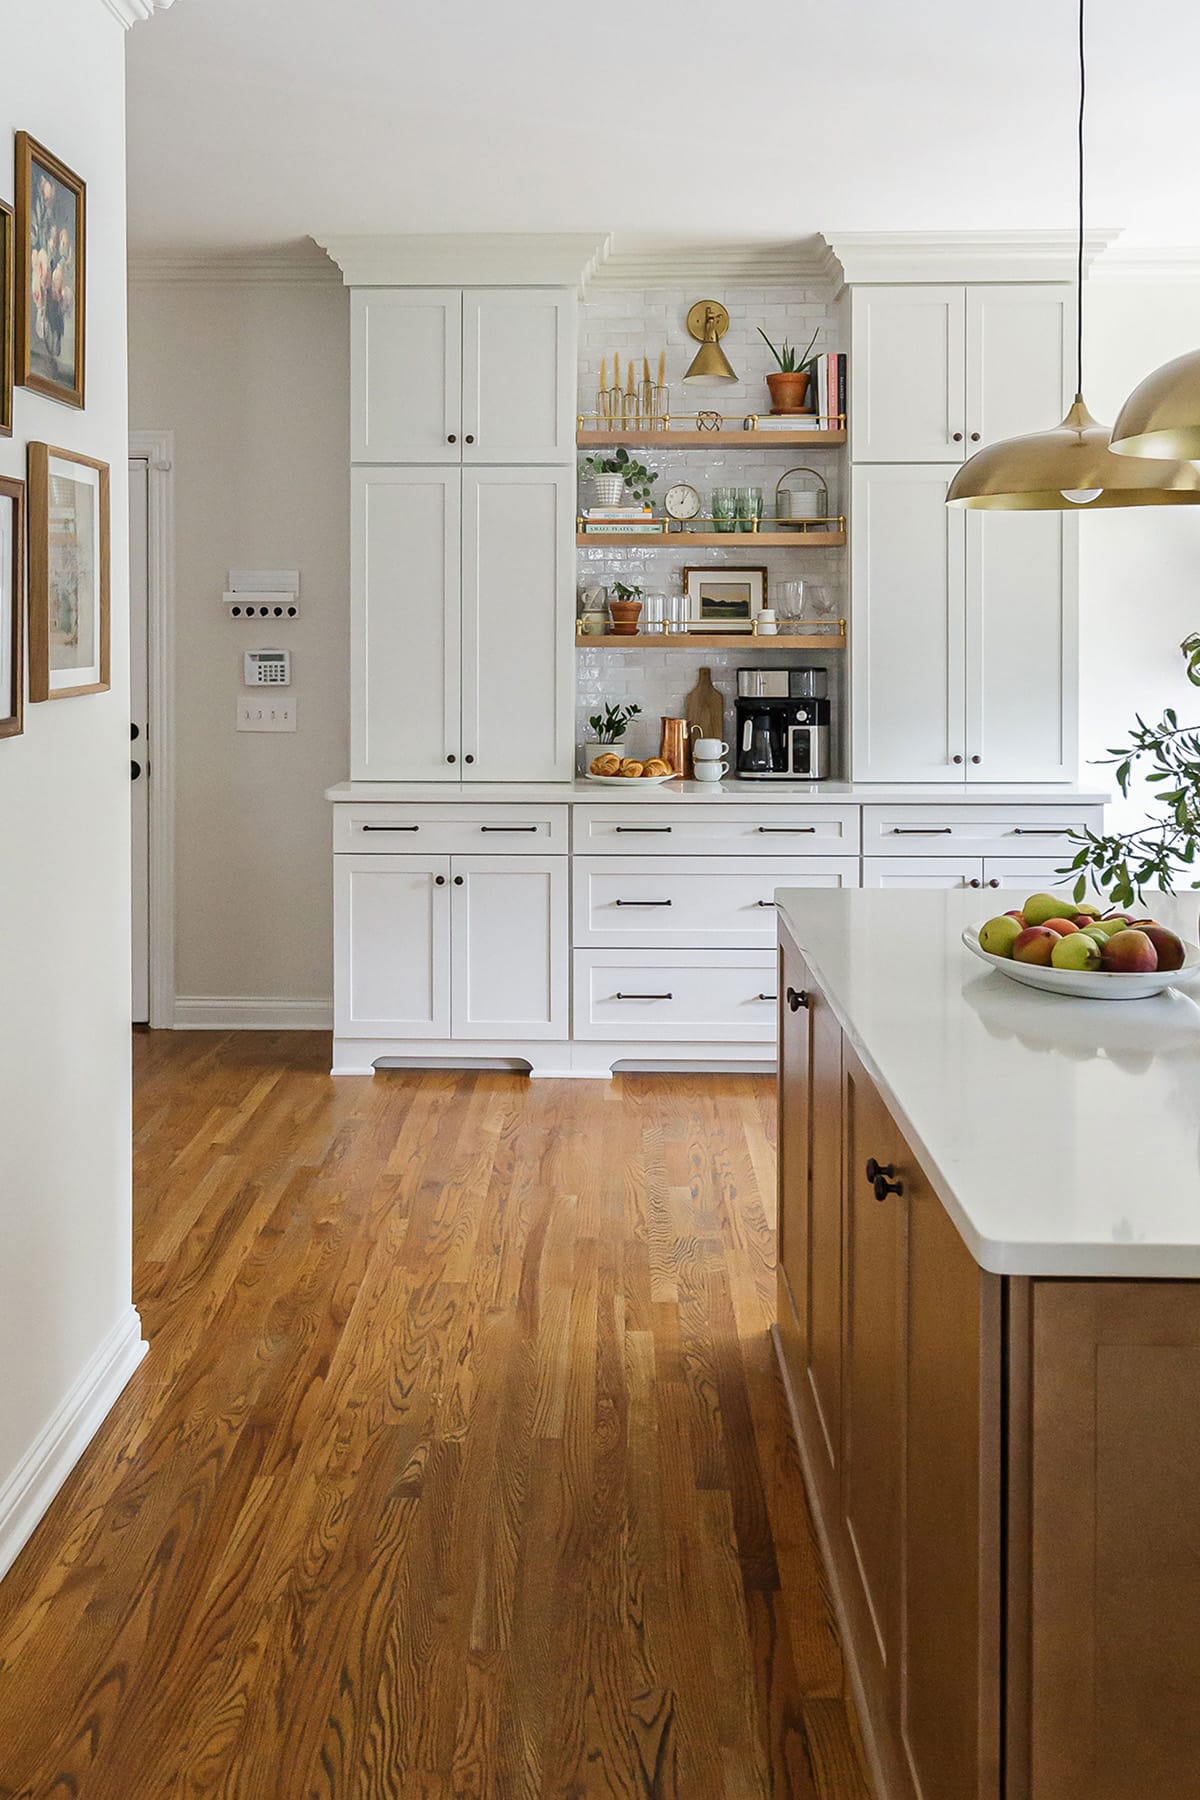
x=675 y=747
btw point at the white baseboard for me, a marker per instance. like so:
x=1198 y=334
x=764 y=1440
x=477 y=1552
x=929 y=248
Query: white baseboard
x=32 y=1485
x=249 y=1012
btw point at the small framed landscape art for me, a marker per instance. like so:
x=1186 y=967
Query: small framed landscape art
x=12 y=604
x=50 y=288
x=7 y=336
x=720 y=599
x=68 y=574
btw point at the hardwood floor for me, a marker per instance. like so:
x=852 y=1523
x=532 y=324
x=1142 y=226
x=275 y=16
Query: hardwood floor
x=459 y=1465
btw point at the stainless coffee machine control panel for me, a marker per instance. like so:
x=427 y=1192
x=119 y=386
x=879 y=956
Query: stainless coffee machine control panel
x=782 y=725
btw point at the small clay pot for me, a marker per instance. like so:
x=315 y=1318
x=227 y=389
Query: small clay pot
x=788 y=392
x=624 y=617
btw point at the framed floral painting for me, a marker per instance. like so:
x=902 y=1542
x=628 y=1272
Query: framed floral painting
x=12 y=605
x=51 y=292
x=68 y=574
x=6 y=320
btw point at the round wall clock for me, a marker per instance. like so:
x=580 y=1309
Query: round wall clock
x=681 y=502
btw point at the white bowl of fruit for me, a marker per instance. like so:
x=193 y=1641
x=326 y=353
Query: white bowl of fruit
x=1066 y=948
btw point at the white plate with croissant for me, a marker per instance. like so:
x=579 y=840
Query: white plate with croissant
x=614 y=769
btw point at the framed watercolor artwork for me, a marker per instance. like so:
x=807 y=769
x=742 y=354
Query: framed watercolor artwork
x=68 y=574
x=720 y=599
x=7 y=335
x=12 y=604
x=51 y=290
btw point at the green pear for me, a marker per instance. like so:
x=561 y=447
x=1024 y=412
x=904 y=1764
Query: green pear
x=1041 y=907
x=1077 y=951
x=998 y=936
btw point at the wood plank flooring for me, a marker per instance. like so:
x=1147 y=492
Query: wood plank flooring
x=459 y=1466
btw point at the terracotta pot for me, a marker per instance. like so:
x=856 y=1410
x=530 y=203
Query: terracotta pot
x=624 y=617
x=788 y=391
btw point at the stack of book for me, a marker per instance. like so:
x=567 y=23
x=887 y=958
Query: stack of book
x=827 y=388
x=616 y=521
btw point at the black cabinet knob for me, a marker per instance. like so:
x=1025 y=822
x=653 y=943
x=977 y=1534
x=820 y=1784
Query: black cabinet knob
x=974 y=882
x=995 y=881
x=452 y=439
x=884 y=1187
x=956 y=759
x=458 y=881
x=796 y=998
x=135 y=769
x=876 y=1169
x=469 y=759
x=439 y=881
x=957 y=436
x=468 y=440
x=135 y=732
x=452 y=759
x=977 y=759
x=974 y=437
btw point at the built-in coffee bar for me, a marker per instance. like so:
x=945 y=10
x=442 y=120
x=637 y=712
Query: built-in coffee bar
x=782 y=731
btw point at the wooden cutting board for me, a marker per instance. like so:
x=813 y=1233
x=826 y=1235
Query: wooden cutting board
x=705 y=709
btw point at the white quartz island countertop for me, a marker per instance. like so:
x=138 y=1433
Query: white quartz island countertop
x=712 y=793
x=1062 y=1135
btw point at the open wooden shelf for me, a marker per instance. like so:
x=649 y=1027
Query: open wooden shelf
x=715 y=640
x=696 y=440
x=729 y=540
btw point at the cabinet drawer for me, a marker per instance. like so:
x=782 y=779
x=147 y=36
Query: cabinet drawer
x=676 y=996
x=473 y=828
x=692 y=902
x=688 y=828
x=934 y=830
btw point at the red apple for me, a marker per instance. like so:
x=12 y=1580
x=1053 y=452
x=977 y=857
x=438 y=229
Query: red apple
x=1063 y=927
x=1035 y=945
x=1128 y=953
x=1168 y=947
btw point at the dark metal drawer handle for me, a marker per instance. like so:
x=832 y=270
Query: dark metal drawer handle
x=1040 y=830
x=645 y=996
x=786 y=830
x=796 y=998
x=643 y=903
x=389 y=828
x=922 y=830
x=646 y=828
x=764 y=903
x=768 y=996
x=510 y=828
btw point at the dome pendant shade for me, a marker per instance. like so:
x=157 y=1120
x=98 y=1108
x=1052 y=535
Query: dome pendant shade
x=1162 y=415
x=1066 y=470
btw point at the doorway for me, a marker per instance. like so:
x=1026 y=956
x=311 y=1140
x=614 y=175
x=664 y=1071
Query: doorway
x=151 y=745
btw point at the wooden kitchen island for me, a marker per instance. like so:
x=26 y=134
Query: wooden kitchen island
x=989 y=1327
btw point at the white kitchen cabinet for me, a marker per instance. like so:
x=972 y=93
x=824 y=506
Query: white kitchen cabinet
x=392 y=946
x=406 y=375
x=405 y=624
x=908 y=619
x=922 y=871
x=509 y=947
x=518 y=375
x=685 y=902
x=1018 y=369
x=518 y=628
x=443 y=376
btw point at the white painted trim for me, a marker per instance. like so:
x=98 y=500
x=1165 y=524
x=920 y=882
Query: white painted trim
x=482 y=259
x=937 y=256
x=129 y=12
x=300 y=263
x=158 y=447
x=567 y=1059
x=1148 y=263
x=801 y=262
x=32 y=1485
x=249 y=1012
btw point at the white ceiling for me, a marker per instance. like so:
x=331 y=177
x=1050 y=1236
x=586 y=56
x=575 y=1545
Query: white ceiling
x=258 y=122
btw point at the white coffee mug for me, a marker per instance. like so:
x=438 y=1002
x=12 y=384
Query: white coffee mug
x=709 y=749
x=711 y=771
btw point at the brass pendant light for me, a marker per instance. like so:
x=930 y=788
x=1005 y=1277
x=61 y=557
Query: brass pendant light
x=1162 y=415
x=1073 y=465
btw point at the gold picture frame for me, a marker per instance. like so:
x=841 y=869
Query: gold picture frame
x=68 y=574
x=7 y=323
x=710 y=611
x=51 y=284
x=12 y=606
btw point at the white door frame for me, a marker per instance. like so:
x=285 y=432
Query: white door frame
x=158 y=448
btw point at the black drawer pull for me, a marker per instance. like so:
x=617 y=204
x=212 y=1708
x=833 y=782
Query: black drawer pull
x=1040 y=830
x=786 y=830
x=796 y=998
x=644 y=829
x=643 y=903
x=645 y=996
x=764 y=903
x=389 y=828
x=768 y=996
x=922 y=830
x=510 y=828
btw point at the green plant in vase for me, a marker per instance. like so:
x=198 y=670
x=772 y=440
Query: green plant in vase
x=610 y=724
x=789 y=383
x=615 y=473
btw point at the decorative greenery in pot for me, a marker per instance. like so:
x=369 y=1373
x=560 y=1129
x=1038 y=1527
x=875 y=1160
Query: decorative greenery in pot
x=610 y=725
x=616 y=472
x=789 y=385
x=625 y=607
x=1163 y=852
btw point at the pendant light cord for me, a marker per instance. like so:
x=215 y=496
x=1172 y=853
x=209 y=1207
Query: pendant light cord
x=1079 y=259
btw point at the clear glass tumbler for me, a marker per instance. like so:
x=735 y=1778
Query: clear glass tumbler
x=749 y=508
x=724 y=509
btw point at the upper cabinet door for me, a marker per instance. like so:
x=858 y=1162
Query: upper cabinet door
x=907 y=643
x=518 y=606
x=519 y=375
x=406 y=375
x=404 y=625
x=906 y=374
x=1022 y=646
x=1019 y=374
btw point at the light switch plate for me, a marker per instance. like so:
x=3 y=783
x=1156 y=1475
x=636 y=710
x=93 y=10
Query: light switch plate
x=268 y=712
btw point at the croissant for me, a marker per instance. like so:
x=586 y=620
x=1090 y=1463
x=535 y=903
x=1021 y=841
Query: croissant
x=657 y=766
x=631 y=768
x=607 y=765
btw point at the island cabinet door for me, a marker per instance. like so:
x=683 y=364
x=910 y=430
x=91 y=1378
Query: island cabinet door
x=795 y=1133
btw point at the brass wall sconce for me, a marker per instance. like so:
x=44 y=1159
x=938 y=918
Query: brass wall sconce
x=708 y=321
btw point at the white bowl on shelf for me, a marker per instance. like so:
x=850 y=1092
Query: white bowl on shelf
x=1087 y=984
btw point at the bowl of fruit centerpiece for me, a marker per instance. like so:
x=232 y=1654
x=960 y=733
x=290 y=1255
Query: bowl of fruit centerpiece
x=1054 y=944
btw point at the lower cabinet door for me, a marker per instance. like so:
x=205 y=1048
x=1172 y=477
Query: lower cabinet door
x=510 y=947
x=391 y=946
x=922 y=871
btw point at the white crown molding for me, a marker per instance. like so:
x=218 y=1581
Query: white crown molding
x=451 y=259
x=1148 y=263
x=293 y=263
x=131 y=12
x=901 y=256
x=804 y=262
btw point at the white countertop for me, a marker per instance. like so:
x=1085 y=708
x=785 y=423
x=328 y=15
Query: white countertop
x=715 y=793
x=1062 y=1136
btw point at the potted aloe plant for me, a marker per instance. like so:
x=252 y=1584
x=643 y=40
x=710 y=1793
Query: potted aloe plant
x=789 y=383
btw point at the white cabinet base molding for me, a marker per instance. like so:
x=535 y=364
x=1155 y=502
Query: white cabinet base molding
x=572 y=1061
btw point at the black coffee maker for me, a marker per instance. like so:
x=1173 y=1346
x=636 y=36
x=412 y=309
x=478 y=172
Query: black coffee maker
x=782 y=725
